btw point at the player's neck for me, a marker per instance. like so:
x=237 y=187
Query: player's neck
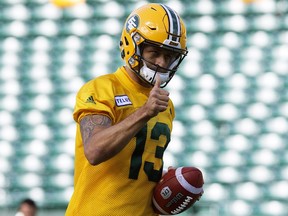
x=135 y=77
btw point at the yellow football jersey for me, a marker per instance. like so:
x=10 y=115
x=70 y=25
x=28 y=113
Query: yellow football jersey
x=122 y=185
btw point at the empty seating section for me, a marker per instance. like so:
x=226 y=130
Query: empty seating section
x=230 y=96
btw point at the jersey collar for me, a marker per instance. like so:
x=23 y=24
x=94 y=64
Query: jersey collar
x=123 y=75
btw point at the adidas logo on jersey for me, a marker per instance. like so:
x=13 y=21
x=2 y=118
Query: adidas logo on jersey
x=122 y=100
x=90 y=100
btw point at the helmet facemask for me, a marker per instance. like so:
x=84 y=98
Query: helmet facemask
x=147 y=70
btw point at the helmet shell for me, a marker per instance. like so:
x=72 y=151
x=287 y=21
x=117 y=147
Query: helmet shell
x=156 y=23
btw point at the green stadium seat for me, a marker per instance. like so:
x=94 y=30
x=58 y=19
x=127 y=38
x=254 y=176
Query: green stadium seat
x=278 y=190
x=264 y=157
x=25 y=181
x=57 y=197
x=238 y=142
x=58 y=181
x=60 y=162
x=215 y=192
x=5 y=166
x=239 y=207
x=231 y=158
x=248 y=191
x=260 y=174
x=273 y=207
x=29 y=163
x=229 y=175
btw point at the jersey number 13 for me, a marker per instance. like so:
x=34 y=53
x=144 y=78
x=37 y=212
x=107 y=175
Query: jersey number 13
x=136 y=159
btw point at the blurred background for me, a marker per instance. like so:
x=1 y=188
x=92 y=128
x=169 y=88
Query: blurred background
x=230 y=95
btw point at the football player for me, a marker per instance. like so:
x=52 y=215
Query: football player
x=124 y=119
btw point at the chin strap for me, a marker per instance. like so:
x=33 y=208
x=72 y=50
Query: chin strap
x=149 y=74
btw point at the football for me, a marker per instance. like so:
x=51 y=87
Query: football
x=178 y=190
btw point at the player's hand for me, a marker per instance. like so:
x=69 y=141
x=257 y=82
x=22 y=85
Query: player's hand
x=158 y=99
x=167 y=170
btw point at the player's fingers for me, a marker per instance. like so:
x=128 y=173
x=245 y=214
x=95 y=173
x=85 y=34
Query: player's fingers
x=162 y=100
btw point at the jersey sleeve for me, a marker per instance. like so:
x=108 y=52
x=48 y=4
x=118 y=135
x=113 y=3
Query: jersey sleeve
x=172 y=110
x=95 y=98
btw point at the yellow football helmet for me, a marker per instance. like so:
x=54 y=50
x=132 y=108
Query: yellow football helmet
x=157 y=25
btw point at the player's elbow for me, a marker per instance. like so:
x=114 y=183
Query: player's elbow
x=98 y=154
x=94 y=158
x=93 y=161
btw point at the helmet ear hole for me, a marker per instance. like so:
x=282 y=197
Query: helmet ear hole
x=122 y=54
x=126 y=41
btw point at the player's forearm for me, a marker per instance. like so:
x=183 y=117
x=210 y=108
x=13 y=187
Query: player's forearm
x=107 y=142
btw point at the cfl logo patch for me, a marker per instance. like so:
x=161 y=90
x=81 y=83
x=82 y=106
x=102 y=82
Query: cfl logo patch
x=166 y=192
x=132 y=22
